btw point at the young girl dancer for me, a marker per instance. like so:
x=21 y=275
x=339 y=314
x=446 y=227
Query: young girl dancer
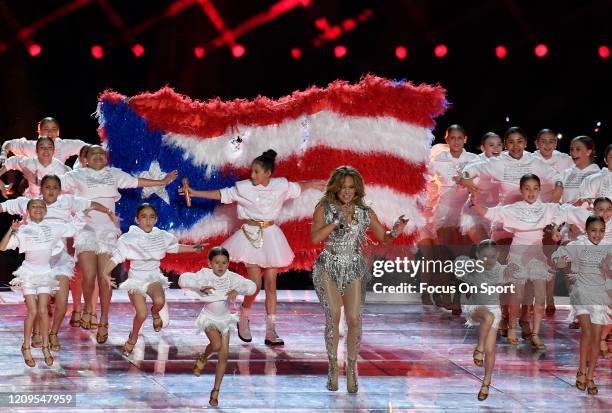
x=259 y=244
x=36 y=278
x=217 y=287
x=484 y=309
x=599 y=184
x=471 y=223
x=546 y=142
x=94 y=244
x=582 y=151
x=61 y=209
x=340 y=274
x=64 y=148
x=526 y=220
x=145 y=246
x=588 y=295
x=35 y=168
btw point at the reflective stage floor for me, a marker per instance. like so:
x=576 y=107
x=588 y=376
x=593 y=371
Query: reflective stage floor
x=412 y=358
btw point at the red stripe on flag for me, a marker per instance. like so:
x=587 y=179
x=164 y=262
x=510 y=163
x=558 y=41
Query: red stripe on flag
x=373 y=96
x=375 y=167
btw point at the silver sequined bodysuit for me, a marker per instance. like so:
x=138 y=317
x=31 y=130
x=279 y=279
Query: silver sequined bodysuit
x=342 y=259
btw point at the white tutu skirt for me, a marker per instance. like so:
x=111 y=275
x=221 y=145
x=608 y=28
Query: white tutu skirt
x=470 y=309
x=138 y=282
x=591 y=300
x=471 y=219
x=63 y=264
x=447 y=212
x=216 y=316
x=100 y=241
x=274 y=253
x=31 y=277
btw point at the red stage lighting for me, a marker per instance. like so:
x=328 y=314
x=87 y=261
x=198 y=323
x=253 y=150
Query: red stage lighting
x=400 y=52
x=34 y=49
x=541 y=50
x=199 y=52
x=296 y=53
x=340 y=51
x=238 y=50
x=501 y=52
x=138 y=50
x=440 y=50
x=604 y=52
x=97 y=52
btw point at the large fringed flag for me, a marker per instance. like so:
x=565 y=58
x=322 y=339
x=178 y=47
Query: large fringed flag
x=379 y=126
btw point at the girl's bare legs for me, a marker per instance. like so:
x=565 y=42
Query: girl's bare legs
x=77 y=293
x=331 y=300
x=513 y=312
x=105 y=298
x=426 y=246
x=487 y=337
x=28 y=324
x=61 y=303
x=222 y=355
x=43 y=300
x=88 y=263
x=539 y=288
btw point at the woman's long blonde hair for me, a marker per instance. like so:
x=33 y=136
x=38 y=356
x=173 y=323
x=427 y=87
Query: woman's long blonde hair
x=334 y=185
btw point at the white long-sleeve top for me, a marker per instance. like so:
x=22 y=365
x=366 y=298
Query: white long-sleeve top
x=443 y=167
x=490 y=277
x=596 y=185
x=572 y=179
x=488 y=194
x=526 y=221
x=64 y=148
x=222 y=285
x=559 y=160
x=39 y=241
x=258 y=202
x=100 y=186
x=508 y=171
x=33 y=165
x=586 y=260
x=144 y=249
x=577 y=216
x=61 y=211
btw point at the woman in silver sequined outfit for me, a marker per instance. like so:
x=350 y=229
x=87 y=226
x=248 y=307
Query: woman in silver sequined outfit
x=340 y=273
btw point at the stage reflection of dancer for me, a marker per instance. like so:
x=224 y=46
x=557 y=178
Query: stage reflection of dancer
x=590 y=259
x=62 y=210
x=340 y=274
x=38 y=239
x=483 y=309
x=216 y=286
x=526 y=220
x=145 y=246
x=259 y=244
x=94 y=244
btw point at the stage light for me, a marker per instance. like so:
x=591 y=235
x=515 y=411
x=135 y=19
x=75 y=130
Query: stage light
x=199 y=52
x=138 y=50
x=340 y=51
x=34 y=49
x=296 y=53
x=604 y=51
x=541 y=50
x=440 y=50
x=501 y=52
x=238 y=50
x=97 y=52
x=559 y=136
x=401 y=52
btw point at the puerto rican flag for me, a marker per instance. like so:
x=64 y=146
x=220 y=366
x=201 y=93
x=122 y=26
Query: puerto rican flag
x=379 y=126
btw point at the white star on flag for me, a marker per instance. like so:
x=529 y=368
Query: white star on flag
x=155 y=172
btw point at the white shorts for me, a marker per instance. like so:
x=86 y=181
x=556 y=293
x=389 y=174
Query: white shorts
x=36 y=291
x=102 y=241
x=470 y=309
